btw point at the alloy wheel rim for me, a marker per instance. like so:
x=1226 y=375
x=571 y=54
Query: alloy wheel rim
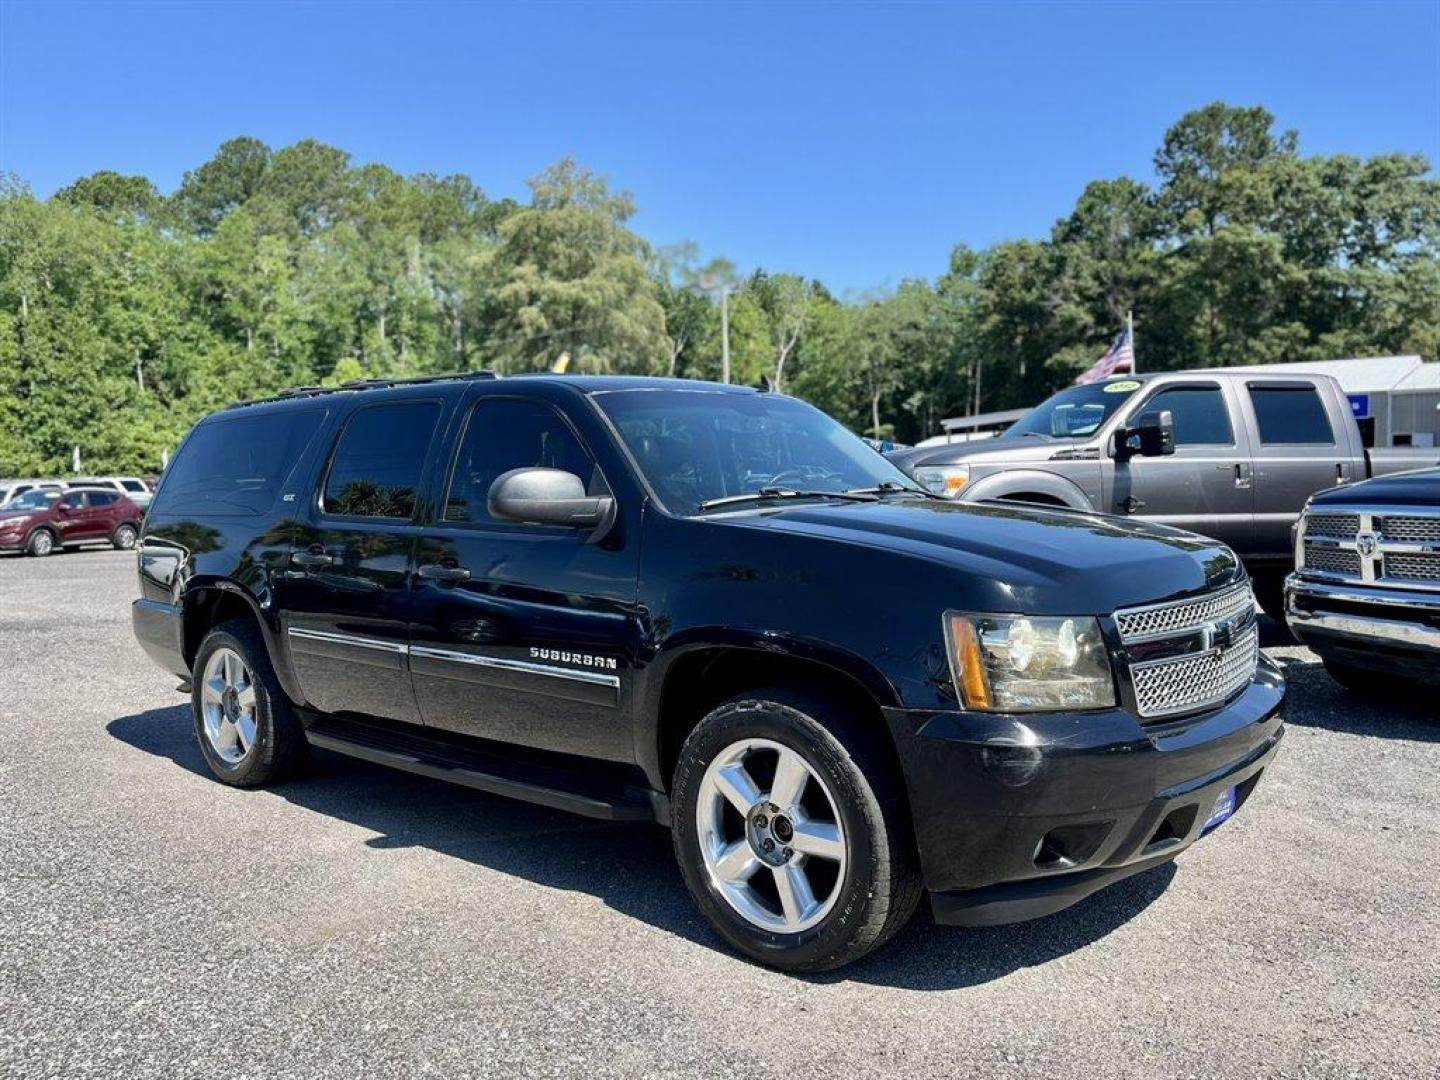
x=43 y=543
x=771 y=836
x=227 y=706
x=127 y=538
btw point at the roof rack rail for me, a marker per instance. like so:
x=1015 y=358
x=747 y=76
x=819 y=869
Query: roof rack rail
x=365 y=384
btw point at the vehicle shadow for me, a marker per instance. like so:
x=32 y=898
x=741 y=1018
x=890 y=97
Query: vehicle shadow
x=630 y=867
x=1392 y=711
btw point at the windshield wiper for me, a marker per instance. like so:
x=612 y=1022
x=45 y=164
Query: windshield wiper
x=894 y=487
x=768 y=493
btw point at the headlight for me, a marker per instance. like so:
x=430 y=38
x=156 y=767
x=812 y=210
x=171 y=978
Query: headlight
x=947 y=480
x=1019 y=663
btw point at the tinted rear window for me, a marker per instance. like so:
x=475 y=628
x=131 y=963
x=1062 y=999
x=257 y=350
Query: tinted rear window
x=235 y=466
x=377 y=464
x=1290 y=415
x=103 y=498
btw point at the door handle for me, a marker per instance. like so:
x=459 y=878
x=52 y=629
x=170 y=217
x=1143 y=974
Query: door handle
x=310 y=560
x=442 y=572
x=1242 y=476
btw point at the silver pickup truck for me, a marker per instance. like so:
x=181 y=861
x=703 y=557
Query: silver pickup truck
x=1230 y=455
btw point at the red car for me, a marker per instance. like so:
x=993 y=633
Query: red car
x=40 y=521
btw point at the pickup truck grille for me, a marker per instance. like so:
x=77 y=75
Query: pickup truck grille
x=1372 y=546
x=1332 y=561
x=1415 y=529
x=1190 y=654
x=1411 y=568
x=1335 y=526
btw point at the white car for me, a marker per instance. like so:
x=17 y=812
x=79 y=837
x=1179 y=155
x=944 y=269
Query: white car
x=13 y=489
x=138 y=490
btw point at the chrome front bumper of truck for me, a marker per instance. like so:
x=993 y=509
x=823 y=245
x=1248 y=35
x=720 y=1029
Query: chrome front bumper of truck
x=1409 y=619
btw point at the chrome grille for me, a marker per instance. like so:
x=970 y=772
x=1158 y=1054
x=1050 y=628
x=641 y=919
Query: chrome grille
x=1411 y=567
x=1163 y=620
x=1185 y=683
x=1329 y=560
x=1338 y=526
x=1212 y=644
x=1415 y=530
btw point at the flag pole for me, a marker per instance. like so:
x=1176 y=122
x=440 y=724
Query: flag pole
x=1134 y=356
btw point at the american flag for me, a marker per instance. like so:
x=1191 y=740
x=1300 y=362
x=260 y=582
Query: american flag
x=1119 y=357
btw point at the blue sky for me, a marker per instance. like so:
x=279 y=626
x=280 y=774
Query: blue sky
x=853 y=142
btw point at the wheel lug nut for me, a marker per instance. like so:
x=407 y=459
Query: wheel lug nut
x=768 y=844
x=760 y=822
x=788 y=852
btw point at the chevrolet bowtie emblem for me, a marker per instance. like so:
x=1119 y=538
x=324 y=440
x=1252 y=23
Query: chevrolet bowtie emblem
x=1217 y=635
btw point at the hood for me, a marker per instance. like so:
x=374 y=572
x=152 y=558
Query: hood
x=1419 y=488
x=1032 y=560
x=14 y=513
x=1018 y=450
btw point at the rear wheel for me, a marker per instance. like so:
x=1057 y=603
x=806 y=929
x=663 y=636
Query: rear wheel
x=124 y=537
x=42 y=543
x=247 y=730
x=791 y=832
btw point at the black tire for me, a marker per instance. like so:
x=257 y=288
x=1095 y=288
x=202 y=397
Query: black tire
x=881 y=885
x=1270 y=592
x=42 y=542
x=279 y=745
x=124 y=536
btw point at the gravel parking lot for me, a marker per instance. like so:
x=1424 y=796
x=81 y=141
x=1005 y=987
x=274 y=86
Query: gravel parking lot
x=356 y=921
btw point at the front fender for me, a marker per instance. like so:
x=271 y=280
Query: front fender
x=1013 y=482
x=649 y=720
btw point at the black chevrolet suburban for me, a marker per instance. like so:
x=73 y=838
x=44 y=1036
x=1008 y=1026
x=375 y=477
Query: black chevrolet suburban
x=716 y=609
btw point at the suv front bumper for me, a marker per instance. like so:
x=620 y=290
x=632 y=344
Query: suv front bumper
x=1020 y=816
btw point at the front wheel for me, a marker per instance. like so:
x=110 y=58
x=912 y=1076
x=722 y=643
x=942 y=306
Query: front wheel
x=791 y=832
x=42 y=543
x=1269 y=589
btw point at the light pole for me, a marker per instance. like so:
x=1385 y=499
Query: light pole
x=713 y=283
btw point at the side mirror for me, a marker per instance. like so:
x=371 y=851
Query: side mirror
x=1153 y=435
x=62 y=509
x=548 y=497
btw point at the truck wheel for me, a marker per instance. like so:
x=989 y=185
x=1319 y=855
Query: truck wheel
x=1270 y=592
x=42 y=543
x=247 y=730
x=124 y=537
x=791 y=832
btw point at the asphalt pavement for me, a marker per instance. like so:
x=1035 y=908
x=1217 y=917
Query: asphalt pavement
x=360 y=922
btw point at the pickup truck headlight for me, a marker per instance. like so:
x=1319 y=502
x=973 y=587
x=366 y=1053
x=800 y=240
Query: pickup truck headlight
x=1023 y=663
x=947 y=480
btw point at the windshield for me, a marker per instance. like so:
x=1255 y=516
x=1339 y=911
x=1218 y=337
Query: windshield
x=695 y=446
x=36 y=499
x=1076 y=413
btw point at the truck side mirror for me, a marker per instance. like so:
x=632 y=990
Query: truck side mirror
x=1152 y=435
x=548 y=497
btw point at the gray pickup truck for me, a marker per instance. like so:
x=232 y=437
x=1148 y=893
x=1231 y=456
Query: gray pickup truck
x=1228 y=454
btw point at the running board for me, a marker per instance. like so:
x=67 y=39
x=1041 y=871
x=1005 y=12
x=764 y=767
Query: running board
x=452 y=761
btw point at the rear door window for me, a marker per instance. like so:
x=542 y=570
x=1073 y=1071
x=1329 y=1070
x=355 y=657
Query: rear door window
x=103 y=498
x=1291 y=415
x=236 y=465
x=376 y=467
